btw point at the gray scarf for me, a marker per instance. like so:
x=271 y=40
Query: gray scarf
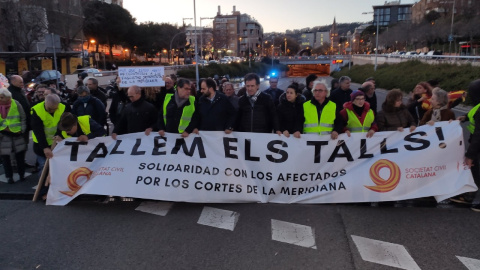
x=253 y=98
x=179 y=101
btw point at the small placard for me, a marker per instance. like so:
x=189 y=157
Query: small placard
x=141 y=76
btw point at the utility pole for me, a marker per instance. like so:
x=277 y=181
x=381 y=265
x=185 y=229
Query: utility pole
x=450 y=38
x=196 y=47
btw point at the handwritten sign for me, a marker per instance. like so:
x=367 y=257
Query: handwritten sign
x=141 y=76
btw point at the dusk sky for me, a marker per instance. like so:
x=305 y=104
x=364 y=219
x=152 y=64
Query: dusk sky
x=278 y=16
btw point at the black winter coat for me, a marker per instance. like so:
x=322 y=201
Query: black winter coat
x=340 y=97
x=94 y=108
x=216 y=115
x=136 y=117
x=119 y=101
x=261 y=118
x=100 y=94
x=290 y=115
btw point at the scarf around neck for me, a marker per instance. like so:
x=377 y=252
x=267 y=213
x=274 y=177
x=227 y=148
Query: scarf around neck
x=253 y=98
x=437 y=115
x=180 y=101
x=4 y=110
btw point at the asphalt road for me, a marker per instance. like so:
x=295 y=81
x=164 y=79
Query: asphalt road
x=97 y=235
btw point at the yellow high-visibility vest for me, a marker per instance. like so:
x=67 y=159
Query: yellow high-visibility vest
x=12 y=121
x=312 y=125
x=49 y=122
x=354 y=125
x=471 y=113
x=84 y=122
x=187 y=112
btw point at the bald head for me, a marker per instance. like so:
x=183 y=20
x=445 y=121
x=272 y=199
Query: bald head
x=134 y=93
x=17 y=81
x=368 y=88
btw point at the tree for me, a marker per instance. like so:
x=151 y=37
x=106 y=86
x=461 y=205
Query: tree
x=64 y=19
x=292 y=45
x=432 y=16
x=107 y=24
x=22 y=23
x=323 y=49
x=151 y=38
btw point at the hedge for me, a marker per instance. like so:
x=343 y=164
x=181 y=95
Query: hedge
x=406 y=75
x=233 y=70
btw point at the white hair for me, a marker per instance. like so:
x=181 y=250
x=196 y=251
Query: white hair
x=4 y=92
x=324 y=83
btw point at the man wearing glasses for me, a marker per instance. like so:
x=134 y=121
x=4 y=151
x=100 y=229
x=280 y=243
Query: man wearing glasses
x=138 y=116
x=39 y=95
x=320 y=114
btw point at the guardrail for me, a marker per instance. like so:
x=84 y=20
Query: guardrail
x=457 y=57
x=361 y=59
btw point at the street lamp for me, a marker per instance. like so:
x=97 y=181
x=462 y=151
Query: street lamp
x=285 y=46
x=171 y=43
x=376 y=43
x=201 y=34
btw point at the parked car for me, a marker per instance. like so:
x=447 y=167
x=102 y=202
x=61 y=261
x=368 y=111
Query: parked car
x=431 y=54
x=203 y=62
x=213 y=62
x=224 y=61
x=411 y=54
x=91 y=72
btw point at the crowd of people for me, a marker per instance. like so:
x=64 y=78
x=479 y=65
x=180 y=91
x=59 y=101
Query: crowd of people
x=315 y=108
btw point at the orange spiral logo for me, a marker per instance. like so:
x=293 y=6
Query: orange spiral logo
x=383 y=185
x=72 y=180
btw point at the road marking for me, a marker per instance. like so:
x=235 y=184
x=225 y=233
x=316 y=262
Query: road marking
x=294 y=234
x=156 y=208
x=16 y=177
x=218 y=218
x=384 y=253
x=471 y=264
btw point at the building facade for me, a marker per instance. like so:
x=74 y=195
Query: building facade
x=236 y=34
x=392 y=13
x=321 y=38
x=423 y=7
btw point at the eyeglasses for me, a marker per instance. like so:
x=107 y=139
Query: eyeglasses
x=362 y=98
x=130 y=96
x=319 y=90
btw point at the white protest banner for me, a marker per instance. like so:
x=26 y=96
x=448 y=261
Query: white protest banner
x=142 y=76
x=214 y=167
